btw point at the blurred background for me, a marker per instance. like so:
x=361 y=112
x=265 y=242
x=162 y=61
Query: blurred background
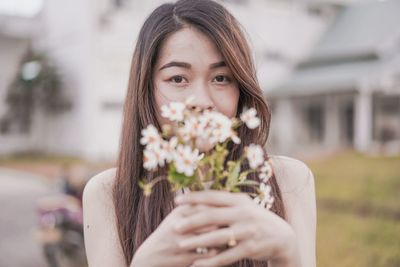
x=330 y=69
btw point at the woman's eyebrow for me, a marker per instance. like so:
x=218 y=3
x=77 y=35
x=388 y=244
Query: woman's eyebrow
x=188 y=66
x=218 y=65
x=176 y=64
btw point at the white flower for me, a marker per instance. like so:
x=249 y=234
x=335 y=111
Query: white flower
x=149 y=159
x=264 y=177
x=264 y=198
x=186 y=159
x=255 y=155
x=155 y=155
x=190 y=129
x=173 y=111
x=169 y=148
x=209 y=127
x=266 y=167
x=235 y=138
x=249 y=117
x=265 y=172
x=221 y=127
x=150 y=137
x=205 y=121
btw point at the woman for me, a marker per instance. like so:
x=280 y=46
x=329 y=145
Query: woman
x=195 y=47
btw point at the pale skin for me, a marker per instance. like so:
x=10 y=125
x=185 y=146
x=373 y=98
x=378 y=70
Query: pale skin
x=199 y=216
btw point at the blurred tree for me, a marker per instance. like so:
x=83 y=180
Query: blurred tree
x=36 y=84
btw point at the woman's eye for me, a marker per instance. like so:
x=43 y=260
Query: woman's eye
x=177 y=79
x=222 y=79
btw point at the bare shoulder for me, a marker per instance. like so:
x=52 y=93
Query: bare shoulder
x=296 y=182
x=100 y=184
x=291 y=174
x=100 y=231
x=97 y=194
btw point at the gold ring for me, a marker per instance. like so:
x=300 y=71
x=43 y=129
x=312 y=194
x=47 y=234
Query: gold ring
x=232 y=241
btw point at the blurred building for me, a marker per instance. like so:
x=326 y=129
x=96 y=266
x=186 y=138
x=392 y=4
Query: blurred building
x=320 y=88
x=91 y=44
x=346 y=94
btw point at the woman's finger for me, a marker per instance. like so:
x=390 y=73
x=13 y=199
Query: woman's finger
x=187 y=258
x=242 y=250
x=179 y=212
x=193 y=209
x=205 y=229
x=196 y=256
x=216 y=238
x=189 y=209
x=208 y=217
x=213 y=198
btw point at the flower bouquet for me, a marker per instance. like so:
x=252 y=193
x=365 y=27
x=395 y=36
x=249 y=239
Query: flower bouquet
x=195 y=151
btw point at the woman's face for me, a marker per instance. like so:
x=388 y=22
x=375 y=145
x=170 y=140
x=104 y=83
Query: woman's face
x=190 y=64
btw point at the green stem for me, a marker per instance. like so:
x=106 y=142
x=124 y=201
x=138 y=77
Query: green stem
x=156 y=180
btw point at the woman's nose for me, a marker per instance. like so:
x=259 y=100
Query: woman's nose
x=201 y=107
x=202 y=100
x=201 y=104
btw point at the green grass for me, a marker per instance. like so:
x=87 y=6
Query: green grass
x=37 y=158
x=358 y=201
x=43 y=159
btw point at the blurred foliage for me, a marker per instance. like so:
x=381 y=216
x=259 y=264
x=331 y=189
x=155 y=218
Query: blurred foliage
x=36 y=84
x=358 y=201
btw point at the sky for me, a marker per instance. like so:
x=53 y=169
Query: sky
x=23 y=8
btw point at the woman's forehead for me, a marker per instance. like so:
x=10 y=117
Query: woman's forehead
x=191 y=46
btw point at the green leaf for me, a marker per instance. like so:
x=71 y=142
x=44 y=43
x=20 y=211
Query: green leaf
x=231 y=165
x=233 y=173
x=141 y=184
x=180 y=178
x=236 y=190
x=220 y=159
x=219 y=147
x=244 y=174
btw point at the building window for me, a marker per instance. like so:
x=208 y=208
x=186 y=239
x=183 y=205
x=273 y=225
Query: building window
x=386 y=122
x=315 y=122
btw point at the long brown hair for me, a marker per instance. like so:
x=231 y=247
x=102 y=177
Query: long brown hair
x=138 y=216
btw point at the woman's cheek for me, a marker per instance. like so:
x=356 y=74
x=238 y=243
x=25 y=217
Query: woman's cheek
x=170 y=93
x=228 y=101
x=163 y=96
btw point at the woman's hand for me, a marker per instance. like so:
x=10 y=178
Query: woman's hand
x=260 y=234
x=161 y=247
